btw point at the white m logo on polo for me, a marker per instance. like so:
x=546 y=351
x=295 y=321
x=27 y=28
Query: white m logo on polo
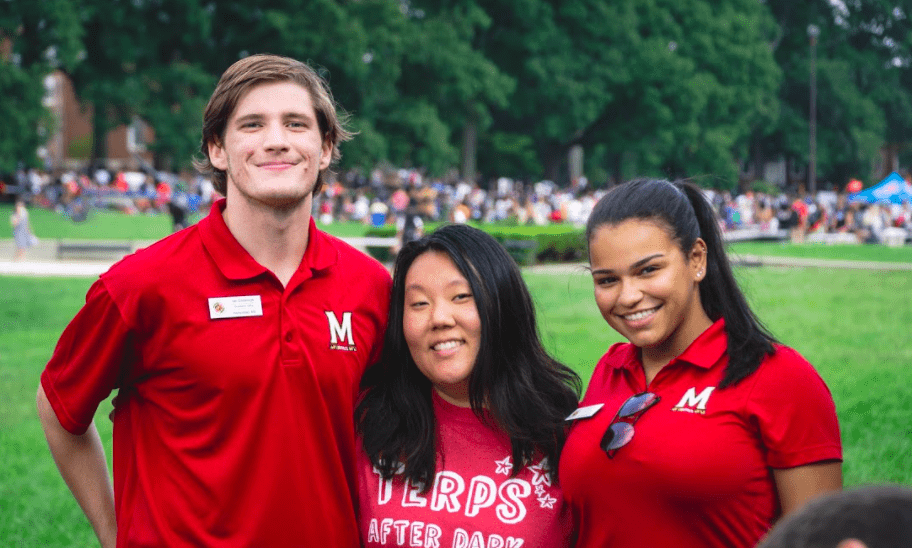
x=340 y=334
x=693 y=402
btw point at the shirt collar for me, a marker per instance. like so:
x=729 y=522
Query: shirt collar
x=704 y=352
x=322 y=251
x=229 y=256
x=236 y=264
x=707 y=349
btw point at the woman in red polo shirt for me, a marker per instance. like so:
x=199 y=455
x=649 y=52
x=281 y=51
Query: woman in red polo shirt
x=462 y=420
x=702 y=430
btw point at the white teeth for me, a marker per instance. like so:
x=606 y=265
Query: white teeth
x=446 y=345
x=640 y=315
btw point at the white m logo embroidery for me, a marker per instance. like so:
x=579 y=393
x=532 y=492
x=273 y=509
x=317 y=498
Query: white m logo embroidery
x=693 y=402
x=340 y=334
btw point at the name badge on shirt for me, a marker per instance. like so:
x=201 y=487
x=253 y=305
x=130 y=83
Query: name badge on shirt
x=584 y=412
x=235 y=307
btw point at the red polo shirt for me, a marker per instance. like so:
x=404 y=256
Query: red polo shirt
x=233 y=423
x=698 y=471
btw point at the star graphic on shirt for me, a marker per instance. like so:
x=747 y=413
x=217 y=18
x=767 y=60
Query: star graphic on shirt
x=504 y=466
x=547 y=501
x=540 y=473
x=539 y=490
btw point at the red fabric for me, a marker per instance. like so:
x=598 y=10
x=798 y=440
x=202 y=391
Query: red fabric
x=474 y=504
x=698 y=471
x=230 y=432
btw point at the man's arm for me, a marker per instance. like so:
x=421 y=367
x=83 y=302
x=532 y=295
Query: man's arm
x=83 y=466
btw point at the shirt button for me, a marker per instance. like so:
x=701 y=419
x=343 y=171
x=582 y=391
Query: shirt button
x=288 y=337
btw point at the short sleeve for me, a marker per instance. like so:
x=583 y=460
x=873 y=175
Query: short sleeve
x=86 y=363
x=794 y=412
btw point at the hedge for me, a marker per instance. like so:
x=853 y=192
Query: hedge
x=552 y=243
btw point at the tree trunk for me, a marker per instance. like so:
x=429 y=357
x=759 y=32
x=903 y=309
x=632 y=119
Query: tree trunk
x=552 y=164
x=469 y=149
x=617 y=170
x=575 y=164
x=99 y=135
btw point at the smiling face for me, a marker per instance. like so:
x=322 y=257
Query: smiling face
x=441 y=324
x=647 y=289
x=272 y=150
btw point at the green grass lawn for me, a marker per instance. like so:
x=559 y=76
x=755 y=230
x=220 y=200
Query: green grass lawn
x=113 y=225
x=842 y=252
x=852 y=325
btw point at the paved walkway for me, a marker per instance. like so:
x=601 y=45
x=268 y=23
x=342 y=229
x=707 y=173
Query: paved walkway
x=42 y=261
x=750 y=260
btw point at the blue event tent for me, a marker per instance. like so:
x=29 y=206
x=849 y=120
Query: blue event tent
x=892 y=190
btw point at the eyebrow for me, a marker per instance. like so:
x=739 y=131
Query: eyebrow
x=456 y=281
x=257 y=116
x=248 y=117
x=637 y=264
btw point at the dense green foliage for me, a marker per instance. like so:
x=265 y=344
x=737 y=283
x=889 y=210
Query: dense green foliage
x=34 y=29
x=694 y=88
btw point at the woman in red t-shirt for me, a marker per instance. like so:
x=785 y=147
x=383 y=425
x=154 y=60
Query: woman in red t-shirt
x=462 y=420
x=702 y=430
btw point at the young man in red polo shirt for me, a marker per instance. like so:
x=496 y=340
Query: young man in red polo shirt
x=235 y=346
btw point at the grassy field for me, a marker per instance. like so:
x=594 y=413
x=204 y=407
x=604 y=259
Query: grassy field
x=113 y=225
x=852 y=325
x=865 y=252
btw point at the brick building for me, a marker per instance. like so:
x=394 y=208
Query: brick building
x=70 y=146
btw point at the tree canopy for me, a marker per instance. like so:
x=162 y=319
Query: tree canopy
x=684 y=88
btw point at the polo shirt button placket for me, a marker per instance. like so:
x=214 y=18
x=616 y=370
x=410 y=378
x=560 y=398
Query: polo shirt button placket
x=286 y=335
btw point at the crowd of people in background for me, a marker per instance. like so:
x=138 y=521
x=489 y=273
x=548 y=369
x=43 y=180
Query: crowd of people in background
x=828 y=214
x=389 y=195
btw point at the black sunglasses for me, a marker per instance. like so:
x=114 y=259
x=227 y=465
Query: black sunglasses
x=620 y=430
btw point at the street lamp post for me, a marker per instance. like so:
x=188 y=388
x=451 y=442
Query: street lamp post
x=813 y=32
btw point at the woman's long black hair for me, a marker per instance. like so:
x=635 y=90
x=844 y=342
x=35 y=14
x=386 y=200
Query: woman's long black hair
x=682 y=209
x=526 y=391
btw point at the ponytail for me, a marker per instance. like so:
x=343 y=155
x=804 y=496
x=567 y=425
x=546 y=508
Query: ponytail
x=748 y=340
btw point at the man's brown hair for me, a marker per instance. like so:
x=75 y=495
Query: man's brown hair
x=250 y=72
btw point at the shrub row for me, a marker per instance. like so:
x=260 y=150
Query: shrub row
x=526 y=244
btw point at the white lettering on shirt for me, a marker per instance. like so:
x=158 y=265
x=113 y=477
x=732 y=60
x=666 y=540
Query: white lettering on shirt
x=385 y=492
x=410 y=534
x=447 y=487
x=411 y=496
x=482 y=493
x=512 y=510
x=693 y=402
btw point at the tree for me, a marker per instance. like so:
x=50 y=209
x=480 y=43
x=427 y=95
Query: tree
x=38 y=38
x=142 y=58
x=863 y=77
x=876 y=38
x=448 y=67
x=652 y=77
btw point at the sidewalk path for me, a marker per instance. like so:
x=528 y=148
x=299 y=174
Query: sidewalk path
x=42 y=261
x=748 y=260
